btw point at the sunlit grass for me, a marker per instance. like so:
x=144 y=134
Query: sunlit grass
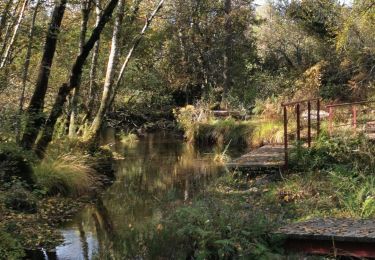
x=128 y=138
x=68 y=175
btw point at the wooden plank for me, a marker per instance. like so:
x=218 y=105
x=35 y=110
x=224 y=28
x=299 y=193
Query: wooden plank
x=331 y=247
x=345 y=237
x=337 y=229
x=265 y=156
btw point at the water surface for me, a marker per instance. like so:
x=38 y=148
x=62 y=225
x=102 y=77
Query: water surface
x=157 y=173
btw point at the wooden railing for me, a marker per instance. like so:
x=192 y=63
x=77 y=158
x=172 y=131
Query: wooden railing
x=354 y=112
x=297 y=106
x=353 y=115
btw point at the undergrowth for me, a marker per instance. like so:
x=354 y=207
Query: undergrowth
x=68 y=175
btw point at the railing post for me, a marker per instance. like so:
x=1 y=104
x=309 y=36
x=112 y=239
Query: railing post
x=330 y=117
x=354 y=110
x=286 y=137
x=309 y=123
x=298 y=122
x=318 y=117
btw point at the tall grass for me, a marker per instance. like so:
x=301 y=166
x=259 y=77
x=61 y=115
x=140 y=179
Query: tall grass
x=270 y=132
x=68 y=175
x=221 y=132
x=340 y=173
x=128 y=138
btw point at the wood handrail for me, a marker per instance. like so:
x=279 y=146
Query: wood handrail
x=351 y=104
x=299 y=102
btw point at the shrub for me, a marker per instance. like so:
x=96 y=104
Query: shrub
x=223 y=131
x=355 y=153
x=271 y=132
x=65 y=175
x=269 y=109
x=208 y=230
x=10 y=248
x=128 y=138
x=20 y=199
x=15 y=162
x=355 y=193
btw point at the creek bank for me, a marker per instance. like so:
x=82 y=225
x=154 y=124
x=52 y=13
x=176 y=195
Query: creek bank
x=54 y=190
x=142 y=119
x=237 y=215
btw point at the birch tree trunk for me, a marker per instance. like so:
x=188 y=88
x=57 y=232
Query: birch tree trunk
x=4 y=17
x=4 y=58
x=130 y=53
x=93 y=85
x=33 y=113
x=110 y=74
x=26 y=66
x=227 y=48
x=9 y=26
x=85 y=11
x=74 y=79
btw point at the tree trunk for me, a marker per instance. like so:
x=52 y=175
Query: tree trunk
x=5 y=56
x=4 y=17
x=9 y=28
x=26 y=66
x=93 y=85
x=130 y=53
x=85 y=11
x=227 y=48
x=110 y=74
x=33 y=113
x=74 y=79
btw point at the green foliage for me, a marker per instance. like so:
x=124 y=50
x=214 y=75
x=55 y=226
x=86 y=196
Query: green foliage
x=67 y=175
x=223 y=131
x=207 y=230
x=10 y=248
x=343 y=164
x=355 y=153
x=267 y=132
x=15 y=162
x=20 y=199
x=128 y=138
x=355 y=192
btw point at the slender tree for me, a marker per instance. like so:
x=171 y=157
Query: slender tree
x=33 y=113
x=9 y=27
x=110 y=74
x=4 y=16
x=25 y=72
x=133 y=47
x=5 y=56
x=85 y=12
x=109 y=96
x=74 y=79
x=93 y=84
x=227 y=47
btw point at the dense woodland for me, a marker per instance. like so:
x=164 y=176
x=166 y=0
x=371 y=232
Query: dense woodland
x=70 y=68
x=69 y=64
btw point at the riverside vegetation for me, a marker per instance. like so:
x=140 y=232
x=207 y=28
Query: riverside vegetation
x=69 y=69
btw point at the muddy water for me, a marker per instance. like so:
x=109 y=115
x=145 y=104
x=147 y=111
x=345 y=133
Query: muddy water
x=156 y=174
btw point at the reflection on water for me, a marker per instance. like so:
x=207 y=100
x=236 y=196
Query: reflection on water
x=158 y=173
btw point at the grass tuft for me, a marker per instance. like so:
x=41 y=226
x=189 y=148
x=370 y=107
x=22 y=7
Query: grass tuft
x=128 y=138
x=68 y=175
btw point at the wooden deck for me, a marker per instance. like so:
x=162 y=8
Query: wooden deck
x=268 y=156
x=333 y=237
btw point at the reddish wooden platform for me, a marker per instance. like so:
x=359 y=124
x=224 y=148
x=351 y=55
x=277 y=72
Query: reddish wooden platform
x=333 y=237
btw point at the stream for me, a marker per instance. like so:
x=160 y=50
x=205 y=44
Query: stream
x=158 y=172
